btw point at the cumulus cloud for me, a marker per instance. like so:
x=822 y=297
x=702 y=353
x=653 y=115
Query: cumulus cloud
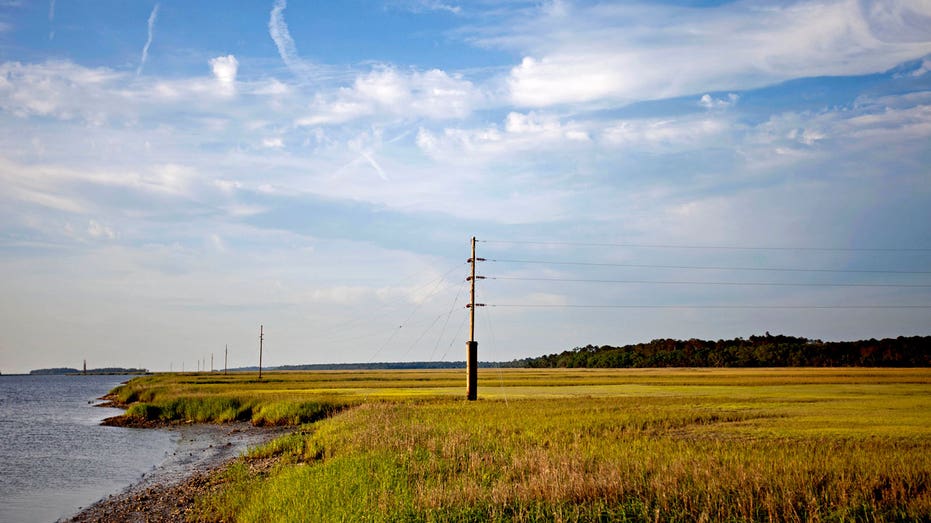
x=709 y=102
x=386 y=91
x=148 y=43
x=224 y=71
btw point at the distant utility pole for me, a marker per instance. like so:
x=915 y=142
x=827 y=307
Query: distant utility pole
x=261 y=338
x=85 y=367
x=472 y=345
x=226 y=354
x=211 y=362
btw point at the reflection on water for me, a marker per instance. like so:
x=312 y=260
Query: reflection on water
x=54 y=455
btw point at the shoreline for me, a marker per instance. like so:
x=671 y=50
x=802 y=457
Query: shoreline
x=170 y=490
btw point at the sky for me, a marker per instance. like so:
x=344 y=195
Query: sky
x=174 y=175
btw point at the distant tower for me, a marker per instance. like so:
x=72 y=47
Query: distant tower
x=85 y=367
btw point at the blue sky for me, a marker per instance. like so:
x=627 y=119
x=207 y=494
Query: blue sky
x=174 y=174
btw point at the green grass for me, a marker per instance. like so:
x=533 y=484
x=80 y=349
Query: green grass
x=569 y=445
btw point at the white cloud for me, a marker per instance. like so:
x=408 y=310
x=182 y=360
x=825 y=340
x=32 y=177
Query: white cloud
x=271 y=87
x=97 y=230
x=215 y=241
x=868 y=125
x=224 y=70
x=923 y=70
x=418 y=6
x=57 y=89
x=287 y=49
x=709 y=102
x=682 y=133
x=521 y=132
x=148 y=43
x=273 y=143
x=386 y=92
x=565 y=78
x=622 y=53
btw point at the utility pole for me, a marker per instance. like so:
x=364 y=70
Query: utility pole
x=85 y=367
x=211 y=362
x=261 y=338
x=472 y=345
x=226 y=354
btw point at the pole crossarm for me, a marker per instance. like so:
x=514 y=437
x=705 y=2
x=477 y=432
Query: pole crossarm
x=472 y=345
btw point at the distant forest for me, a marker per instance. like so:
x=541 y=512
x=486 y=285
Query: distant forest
x=105 y=370
x=402 y=365
x=756 y=351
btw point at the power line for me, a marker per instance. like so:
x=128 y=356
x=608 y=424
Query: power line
x=710 y=247
x=433 y=292
x=570 y=306
x=711 y=268
x=448 y=316
x=732 y=283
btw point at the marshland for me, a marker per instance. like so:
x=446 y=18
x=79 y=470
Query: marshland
x=834 y=444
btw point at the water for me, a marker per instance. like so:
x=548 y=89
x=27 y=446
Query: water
x=55 y=457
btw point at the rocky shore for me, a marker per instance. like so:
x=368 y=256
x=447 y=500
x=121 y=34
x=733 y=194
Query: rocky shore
x=169 y=492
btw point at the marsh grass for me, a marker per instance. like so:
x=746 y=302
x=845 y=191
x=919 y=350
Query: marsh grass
x=560 y=445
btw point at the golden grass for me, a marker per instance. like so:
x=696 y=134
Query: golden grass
x=577 y=445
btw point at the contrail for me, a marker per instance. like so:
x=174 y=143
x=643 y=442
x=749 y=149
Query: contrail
x=375 y=165
x=278 y=30
x=51 y=19
x=148 y=42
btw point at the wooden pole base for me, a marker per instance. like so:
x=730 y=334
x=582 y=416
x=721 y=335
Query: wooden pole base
x=472 y=370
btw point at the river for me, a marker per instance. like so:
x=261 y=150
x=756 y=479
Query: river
x=56 y=458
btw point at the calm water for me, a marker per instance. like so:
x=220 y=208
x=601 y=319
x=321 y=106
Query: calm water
x=54 y=455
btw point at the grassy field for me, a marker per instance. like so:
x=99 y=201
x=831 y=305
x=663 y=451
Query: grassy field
x=567 y=445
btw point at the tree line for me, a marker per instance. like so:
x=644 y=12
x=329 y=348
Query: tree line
x=70 y=370
x=756 y=351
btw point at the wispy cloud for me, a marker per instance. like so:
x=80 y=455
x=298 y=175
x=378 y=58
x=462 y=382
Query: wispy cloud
x=420 y=6
x=51 y=19
x=278 y=30
x=148 y=43
x=624 y=53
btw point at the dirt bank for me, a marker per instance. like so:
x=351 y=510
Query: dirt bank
x=168 y=492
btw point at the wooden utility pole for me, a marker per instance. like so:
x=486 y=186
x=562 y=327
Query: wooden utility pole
x=211 y=362
x=261 y=338
x=226 y=355
x=85 y=367
x=472 y=345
